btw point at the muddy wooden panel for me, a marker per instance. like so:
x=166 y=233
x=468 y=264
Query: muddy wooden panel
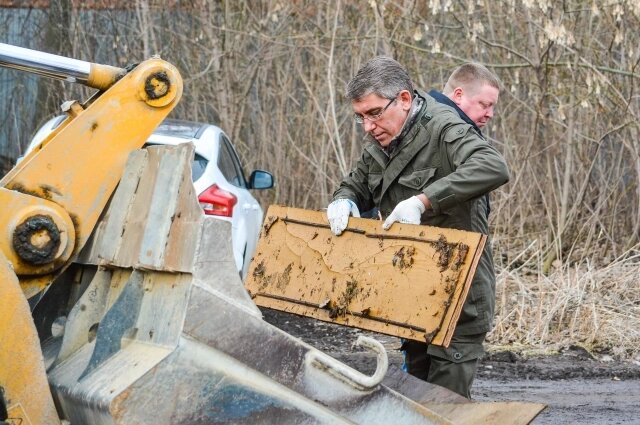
x=410 y=281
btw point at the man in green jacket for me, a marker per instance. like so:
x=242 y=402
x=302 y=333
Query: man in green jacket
x=424 y=165
x=473 y=91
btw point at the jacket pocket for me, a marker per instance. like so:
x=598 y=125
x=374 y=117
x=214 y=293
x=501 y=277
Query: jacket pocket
x=418 y=179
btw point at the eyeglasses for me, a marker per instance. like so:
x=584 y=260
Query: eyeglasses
x=372 y=117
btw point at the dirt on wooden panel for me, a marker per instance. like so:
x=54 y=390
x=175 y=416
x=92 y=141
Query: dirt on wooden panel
x=402 y=259
x=344 y=299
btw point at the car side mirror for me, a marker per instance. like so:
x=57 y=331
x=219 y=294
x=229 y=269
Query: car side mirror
x=260 y=180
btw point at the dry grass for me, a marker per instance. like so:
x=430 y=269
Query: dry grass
x=596 y=307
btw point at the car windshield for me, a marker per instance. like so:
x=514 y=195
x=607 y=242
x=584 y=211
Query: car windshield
x=182 y=129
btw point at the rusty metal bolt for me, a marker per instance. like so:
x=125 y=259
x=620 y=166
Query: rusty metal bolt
x=157 y=85
x=37 y=239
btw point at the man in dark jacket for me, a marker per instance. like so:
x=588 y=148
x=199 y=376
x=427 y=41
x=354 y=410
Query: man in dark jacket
x=424 y=165
x=473 y=91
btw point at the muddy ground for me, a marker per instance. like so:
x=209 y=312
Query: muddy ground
x=577 y=387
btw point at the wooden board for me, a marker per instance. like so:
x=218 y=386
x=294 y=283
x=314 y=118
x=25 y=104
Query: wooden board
x=410 y=281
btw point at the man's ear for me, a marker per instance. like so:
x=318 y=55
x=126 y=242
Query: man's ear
x=405 y=99
x=456 y=95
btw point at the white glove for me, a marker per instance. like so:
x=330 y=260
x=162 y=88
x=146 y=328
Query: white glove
x=407 y=211
x=338 y=214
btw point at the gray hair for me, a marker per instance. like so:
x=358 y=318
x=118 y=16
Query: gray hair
x=381 y=76
x=469 y=76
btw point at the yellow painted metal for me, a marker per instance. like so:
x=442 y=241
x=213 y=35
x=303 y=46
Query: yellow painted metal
x=79 y=166
x=22 y=372
x=25 y=160
x=102 y=77
x=410 y=281
x=22 y=207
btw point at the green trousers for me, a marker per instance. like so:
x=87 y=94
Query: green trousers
x=453 y=367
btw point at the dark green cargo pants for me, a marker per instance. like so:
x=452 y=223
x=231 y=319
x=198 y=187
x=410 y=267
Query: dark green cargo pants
x=453 y=367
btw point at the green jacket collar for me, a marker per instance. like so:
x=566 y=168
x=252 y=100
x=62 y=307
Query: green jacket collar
x=404 y=153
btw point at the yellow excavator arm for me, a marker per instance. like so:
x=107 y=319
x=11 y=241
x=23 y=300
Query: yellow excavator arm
x=59 y=190
x=53 y=198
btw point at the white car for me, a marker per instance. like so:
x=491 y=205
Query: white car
x=218 y=178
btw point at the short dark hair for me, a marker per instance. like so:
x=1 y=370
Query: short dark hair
x=470 y=74
x=381 y=76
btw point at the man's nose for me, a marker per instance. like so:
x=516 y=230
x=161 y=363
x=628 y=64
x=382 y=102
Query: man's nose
x=368 y=125
x=489 y=113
